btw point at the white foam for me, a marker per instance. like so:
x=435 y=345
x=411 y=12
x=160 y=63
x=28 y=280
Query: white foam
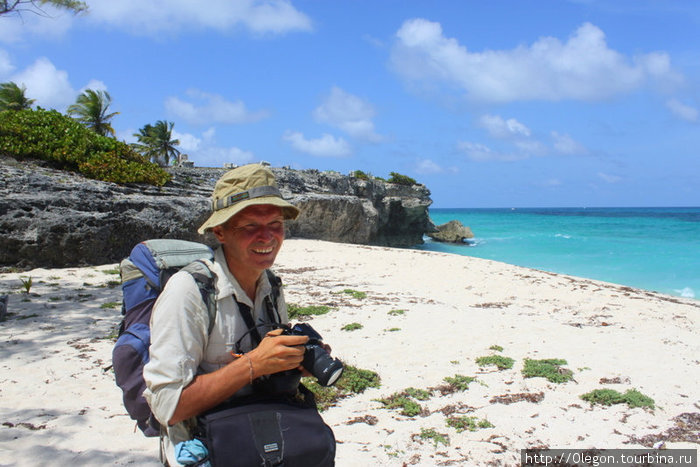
x=686 y=292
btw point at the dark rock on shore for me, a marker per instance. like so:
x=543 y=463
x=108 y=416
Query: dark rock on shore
x=451 y=232
x=53 y=218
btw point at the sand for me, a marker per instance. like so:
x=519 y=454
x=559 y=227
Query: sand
x=59 y=404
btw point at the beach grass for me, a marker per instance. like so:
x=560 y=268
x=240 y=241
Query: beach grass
x=352 y=327
x=433 y=435
x=499 y=361
x=631 y=397
x=551 y=369
x=353 y=381
x=294 y=310
x=466 y=423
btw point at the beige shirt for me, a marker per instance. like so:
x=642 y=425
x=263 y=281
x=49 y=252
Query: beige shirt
x=181 y=346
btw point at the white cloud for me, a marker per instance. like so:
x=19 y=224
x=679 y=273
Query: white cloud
x=481 y=153
x=552 y=182
x=214 y=156
x=325 y=146
x=427 y=166
x=349 y=113
x=511 y=132
x=531 y=148
x=95 y=85
x=565 y=144
x=188 y=142
x=503 y=129
x=48 y=85
x=127 y=135
x=6 y=66
x=209 y=134
x=583 y=67
x=683 y=111
x=171 y=16
x=53 y=24
x=211 y=108
x=204 y=151
x=609 y=178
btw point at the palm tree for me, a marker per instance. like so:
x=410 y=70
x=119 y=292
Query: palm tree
x=12 y=97
x=155 y=142
x=90 y=109
x=35 y=6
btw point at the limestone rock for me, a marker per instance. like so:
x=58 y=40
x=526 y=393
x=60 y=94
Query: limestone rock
x=53 y=218
x=451 y=232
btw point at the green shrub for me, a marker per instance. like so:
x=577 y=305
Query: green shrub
x=632 y=398
x=419 y=394
x=355 y=293
x=351 y=327
x=547 y=368
x=356 y=380
x=51 y=136
x=311 y=310
x=499 y=361
x=408 y=406
x=468 y=423
x=26 y=283
x=496 y=348
x=396 y=312
x=459 y=382
x=360 y=174
x=399 y=179
x=432 y=434
x=353 y=381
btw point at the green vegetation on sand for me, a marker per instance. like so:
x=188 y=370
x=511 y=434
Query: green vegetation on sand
x=632 y=398
x=552 y=369
x=353 y=381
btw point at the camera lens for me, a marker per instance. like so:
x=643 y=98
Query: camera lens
x=327 y=370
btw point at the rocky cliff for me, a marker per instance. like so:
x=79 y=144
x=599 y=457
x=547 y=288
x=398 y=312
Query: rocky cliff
x=51 y=218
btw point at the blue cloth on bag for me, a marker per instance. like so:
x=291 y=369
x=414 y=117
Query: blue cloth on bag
x=190 y=452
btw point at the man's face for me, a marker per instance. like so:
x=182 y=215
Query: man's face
x=252 y=238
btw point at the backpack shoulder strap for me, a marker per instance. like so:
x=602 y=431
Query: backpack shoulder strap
x=204 y=278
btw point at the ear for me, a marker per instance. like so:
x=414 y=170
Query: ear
x=218 y=232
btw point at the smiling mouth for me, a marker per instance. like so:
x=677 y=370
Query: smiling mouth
x=263 y=251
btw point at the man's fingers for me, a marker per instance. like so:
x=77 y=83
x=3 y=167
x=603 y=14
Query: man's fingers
x=291 y=341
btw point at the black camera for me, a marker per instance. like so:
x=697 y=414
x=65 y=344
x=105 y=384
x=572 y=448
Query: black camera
x=317 y=361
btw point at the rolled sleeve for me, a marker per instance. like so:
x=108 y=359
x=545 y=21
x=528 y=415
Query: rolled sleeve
x=179 y=334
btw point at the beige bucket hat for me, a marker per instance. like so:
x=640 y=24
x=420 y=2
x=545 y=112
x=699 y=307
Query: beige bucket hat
x=242 y=187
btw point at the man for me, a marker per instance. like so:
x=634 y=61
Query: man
x=191 y=370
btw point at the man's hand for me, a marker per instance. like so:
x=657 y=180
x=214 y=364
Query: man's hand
x=277 y=353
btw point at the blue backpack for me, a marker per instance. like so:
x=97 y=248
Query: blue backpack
x=144 y=275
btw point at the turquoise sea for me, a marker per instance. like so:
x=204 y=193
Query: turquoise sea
x=650 y=248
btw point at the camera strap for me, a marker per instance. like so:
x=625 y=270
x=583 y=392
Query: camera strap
x=275 y=320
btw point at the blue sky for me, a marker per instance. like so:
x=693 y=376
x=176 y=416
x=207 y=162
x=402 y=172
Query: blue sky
x=488 y=103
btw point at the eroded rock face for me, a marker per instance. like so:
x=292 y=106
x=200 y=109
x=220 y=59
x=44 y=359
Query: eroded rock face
x=451 y=232
x=51 y=218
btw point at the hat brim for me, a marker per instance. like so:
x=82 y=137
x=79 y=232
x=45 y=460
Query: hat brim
x=289 y=211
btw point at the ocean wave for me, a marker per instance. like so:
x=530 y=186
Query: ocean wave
x=562 y=236
x=685 y=292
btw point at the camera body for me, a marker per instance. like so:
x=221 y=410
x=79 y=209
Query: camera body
x=326 y=369
x=317 y=361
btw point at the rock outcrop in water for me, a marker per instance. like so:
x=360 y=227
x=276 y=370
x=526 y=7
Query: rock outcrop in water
x=451 y=232
x=52 y=218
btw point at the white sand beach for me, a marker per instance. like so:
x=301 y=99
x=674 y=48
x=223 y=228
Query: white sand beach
x=59 y=404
